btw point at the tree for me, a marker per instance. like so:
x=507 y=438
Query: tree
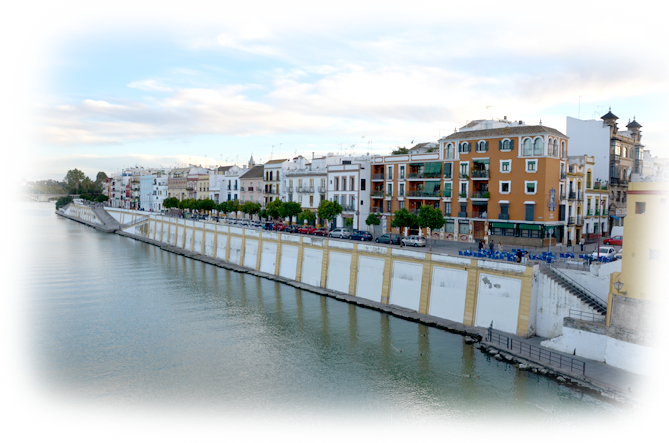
x=63 y=201
x=207 y=204
x=328 y=210
x=233 y=206
x=100 y=177
x=307 y=215
x=290 y=210
x=102 y=198
x=250 y=208
x=171 y=202
x=273 y=209
x=263 y=214
x=348 y=222
x=222 y=208
x=403 y=219
x=73 y=180
x=373 y=219
x=429 y=217
x=400 y=150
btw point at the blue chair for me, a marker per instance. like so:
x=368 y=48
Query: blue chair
x=460 y=253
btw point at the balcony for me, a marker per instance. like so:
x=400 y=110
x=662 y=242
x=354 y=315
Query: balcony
x=447 y=194
x=503 y=216
x=462 y=195
x=322 y=190
x=563 y=196
x=462 y=214
x=376 y=209
x=377 y=194
x=563 y=175
x=481 y=194
x=463 y=176
x=348 y=208
x=485 y=174
x=242 y=189
x=423 y=194
x=423 y=175
x=378 y=177
x=572 y=195
x=448 y=176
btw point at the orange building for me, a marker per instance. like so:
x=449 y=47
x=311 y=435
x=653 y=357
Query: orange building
x=492 y=180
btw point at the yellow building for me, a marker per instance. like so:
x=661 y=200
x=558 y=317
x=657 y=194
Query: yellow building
x=635 y=292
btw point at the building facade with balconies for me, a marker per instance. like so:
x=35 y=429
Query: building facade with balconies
x=304 y=182
x=272 y=180
x=348 y=180
x=251 y=185
x=177 y=183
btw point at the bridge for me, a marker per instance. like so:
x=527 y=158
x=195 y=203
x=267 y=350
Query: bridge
x=34 y=196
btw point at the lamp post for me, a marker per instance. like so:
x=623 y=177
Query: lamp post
x=599 y=237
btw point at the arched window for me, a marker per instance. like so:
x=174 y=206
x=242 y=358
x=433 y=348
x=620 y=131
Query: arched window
x=563 y=151
x=506 y=145
x=555 y=148
x=449 y=151
x=527 y=147
x=539 y=146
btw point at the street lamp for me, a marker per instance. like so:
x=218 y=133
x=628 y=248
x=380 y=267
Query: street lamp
x=619 y=285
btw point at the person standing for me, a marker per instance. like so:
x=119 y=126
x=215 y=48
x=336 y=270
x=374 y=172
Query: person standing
x=582 y=242
x=480 y=246
x=492 y=245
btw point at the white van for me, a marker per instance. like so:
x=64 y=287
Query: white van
x=616 y=230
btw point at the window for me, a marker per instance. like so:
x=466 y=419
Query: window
x=447 y=190
x=449 y=151
x=336 y=184
x=352 y=183
x=463 y=228
x=464 y=170
x=505 y=187
x=530 y=187
x=465 y=147
x=311 y=200
x=482 y=146
x=530 y=166
x=527 y=147
x=506 y=145
x=588 y=179
x=401 y=172
x=450 y=225
x=401 y=204
x=539 y=146
x=447 y=211
x=390 y=189
x=529 y=212
x=343 y=183
x=448 y=170
x=505 y=166
x=389 y=205
x=390 y=173
x=362 y=184
x=640 y=208
x=563 y=152
x=401 y=190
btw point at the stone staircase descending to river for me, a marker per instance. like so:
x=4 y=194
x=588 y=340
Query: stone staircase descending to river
x=108 y=221
x=594 y=302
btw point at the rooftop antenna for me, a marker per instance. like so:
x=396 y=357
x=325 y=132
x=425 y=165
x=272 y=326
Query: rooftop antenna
x=486 y=111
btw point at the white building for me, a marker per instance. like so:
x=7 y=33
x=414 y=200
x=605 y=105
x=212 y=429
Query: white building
x=348 y=183
x=304 y=182
x=272 y=181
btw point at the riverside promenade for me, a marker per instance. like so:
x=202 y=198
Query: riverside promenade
x=609 y=382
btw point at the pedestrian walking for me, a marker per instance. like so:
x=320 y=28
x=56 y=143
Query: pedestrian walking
x=492 y=245
x=500 y=247
x=519 y=256
x=582 y=243
x=525 y=257
x=480 y=246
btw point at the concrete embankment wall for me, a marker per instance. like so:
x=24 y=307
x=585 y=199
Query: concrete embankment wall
x=84 y=213
x=471 y=292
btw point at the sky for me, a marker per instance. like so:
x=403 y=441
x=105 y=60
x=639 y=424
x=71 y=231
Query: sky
x=160 y=84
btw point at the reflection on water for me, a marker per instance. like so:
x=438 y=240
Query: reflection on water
x=119 y=321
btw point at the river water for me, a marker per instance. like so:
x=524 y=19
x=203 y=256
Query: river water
x=119 y=323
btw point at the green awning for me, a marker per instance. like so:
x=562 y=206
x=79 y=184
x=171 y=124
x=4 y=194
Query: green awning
x=429 y=187
x=531 y=227
x=503 y=225
x=432 y=168
x=485 y=161
x=416 y=165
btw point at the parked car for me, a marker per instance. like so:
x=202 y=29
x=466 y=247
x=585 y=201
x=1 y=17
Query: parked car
x=280 y=227
x=604 y=251
x=268 y=226
x=361 y=235
x=307 y=230
x=615 y=240
x=341 y=233
x=322 y=232
x=293 y=229
x=619 y=254
x=388 y=238
x=414 y=240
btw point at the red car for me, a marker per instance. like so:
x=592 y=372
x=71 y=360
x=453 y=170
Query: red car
x=616 y=240
x=280 y=227
x=323 y=232
x=307 y=230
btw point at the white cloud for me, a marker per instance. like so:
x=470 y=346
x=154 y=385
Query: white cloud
x=149 y=85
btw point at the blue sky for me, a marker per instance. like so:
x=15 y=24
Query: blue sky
x=148 y=84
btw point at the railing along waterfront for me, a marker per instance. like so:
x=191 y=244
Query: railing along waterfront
x=536 y=352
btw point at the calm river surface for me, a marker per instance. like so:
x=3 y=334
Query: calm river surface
x=114 y=322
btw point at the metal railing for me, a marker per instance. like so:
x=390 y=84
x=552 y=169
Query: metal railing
x=377 y=193
x=413 y=175
x=586 y=316
x=435 y=194
x=480 y=173
x=602 y=304
x=479 y=194
x=537 y=353
x=378 y=177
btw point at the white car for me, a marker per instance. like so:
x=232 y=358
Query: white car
x=604 y=251
x=414 y=240
x=619 y=254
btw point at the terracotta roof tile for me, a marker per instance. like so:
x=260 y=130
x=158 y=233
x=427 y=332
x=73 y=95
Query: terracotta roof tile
x=509 y=130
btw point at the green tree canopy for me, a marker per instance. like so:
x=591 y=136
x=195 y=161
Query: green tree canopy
x=171 y=202
x=373 y=219
x=290 y=210
x=403 y=219
x=73 y=180
x=63 y=201
x=429 y=217
x=102 y=198
x=207 y=204
x=307 y=215
x=100 y=177
x=274 y=209
x=348 y=222
x=250 y=208
x=400 y=150
x=263 y=214
x=233 y=206
x=328 y=210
